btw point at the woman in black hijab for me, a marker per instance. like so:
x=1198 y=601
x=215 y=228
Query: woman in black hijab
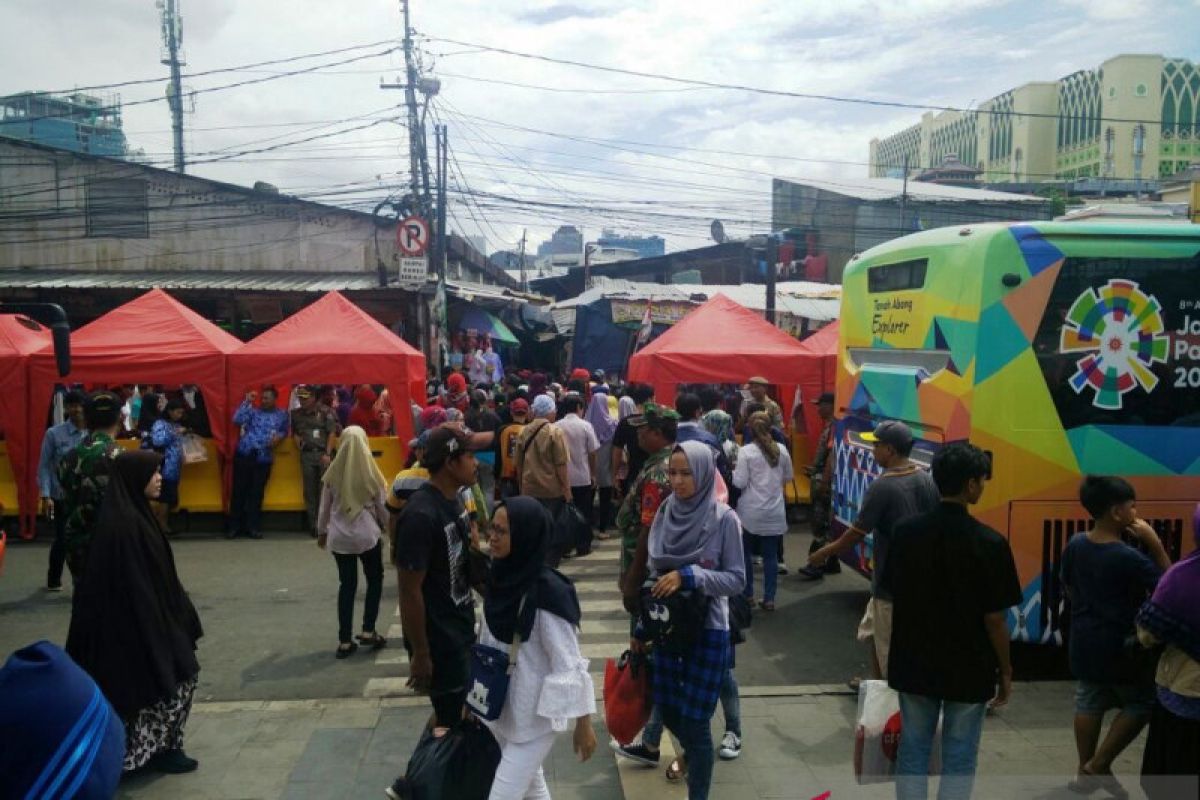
x=133 y=628
x=550 y=685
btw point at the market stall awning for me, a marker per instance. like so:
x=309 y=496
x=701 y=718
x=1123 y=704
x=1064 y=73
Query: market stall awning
x=473 y=319
x=20 y=338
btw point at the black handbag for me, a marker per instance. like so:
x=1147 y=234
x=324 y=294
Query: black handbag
x=741 y=617
x=458 y=765
x=675 y=622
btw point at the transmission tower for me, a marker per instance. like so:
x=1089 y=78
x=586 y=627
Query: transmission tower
x=172 y=34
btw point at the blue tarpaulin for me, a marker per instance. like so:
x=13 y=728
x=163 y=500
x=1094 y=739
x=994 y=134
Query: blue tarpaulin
x=599 y=344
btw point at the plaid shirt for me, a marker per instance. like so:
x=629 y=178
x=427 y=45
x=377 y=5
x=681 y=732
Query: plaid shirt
x=691 y=683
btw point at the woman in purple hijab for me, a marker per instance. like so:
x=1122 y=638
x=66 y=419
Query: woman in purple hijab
x=1171 y=618
x=605 y=426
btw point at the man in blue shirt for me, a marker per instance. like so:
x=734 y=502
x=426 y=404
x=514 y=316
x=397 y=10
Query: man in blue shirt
x=262 y=429
x=60 y=440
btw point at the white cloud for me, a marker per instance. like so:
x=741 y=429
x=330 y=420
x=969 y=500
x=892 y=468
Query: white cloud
x=940 y=52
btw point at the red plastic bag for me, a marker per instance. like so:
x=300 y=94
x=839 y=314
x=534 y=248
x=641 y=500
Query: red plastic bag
x=626 y=696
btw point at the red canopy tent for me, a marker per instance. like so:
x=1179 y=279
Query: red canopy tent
x=151 y=339
x=724 y=342
x=330 y=341
x=19 y=339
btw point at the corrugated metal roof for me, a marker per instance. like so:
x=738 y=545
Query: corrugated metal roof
x=250 y=280
x=892 y=188
x=820 y=302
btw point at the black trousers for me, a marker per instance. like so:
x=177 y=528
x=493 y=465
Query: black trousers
x=584 y=498
x=347 y=566
x=604 y=509
x=58 y=550
x=554 y=552
x=245 y=503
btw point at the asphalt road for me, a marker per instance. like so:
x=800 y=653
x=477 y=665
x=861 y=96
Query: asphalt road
x=268 y=609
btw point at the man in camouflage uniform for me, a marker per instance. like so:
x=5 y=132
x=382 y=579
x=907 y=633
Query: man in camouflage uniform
x=313 y=427
x=83 y=476
x=821 y=475
x=656 y=427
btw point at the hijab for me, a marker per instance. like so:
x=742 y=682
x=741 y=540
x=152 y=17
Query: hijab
x=133 y=628
x=537 y=383
x=523 y=573
x=364 y=397
x=681 y=527
x=1172 y=613
x=719 y=424
x=626 y=407
x=602 y=422
x=354 y=475
x=431 y=417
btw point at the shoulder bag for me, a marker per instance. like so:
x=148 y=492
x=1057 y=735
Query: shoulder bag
x=491 y=671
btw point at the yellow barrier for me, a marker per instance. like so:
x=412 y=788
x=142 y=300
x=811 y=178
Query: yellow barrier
x=8 y=484
x=200 y=484
x=800 y=490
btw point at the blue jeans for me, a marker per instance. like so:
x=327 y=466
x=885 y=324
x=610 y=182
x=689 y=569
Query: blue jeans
x=962 y=725
x=770 y=564
x=696 y=737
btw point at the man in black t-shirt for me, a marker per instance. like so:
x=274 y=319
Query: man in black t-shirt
x=952 y=580
x=625 y=442
x=433 y=551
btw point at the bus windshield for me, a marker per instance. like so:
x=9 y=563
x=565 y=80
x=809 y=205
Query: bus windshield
x=1119 y=342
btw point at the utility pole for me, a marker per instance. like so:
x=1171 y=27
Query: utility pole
x=771 y=253
x=442 y=151
x=524 y=282
x=172 y=30
x=418 y=161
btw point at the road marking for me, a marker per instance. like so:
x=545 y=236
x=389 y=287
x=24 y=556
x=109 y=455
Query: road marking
x=600 y=627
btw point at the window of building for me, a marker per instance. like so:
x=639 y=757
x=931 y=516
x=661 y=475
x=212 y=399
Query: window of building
x=118 y=208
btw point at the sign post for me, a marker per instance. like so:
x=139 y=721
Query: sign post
x=412 y=237
x=413 y=271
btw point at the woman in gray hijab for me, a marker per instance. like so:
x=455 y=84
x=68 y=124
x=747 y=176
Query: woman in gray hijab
x=695 y=545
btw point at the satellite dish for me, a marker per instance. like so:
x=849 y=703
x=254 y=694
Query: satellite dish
x=718 y=231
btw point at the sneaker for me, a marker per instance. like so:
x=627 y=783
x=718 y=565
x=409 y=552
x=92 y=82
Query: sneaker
x=399 y=789
x=731 y=746
x=639 y=753
x=783 y=570
x=54 y=587
x=833 y=566
x=756 y=560
x=811 y=573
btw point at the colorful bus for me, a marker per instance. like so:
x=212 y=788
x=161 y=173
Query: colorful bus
x=1062 y=348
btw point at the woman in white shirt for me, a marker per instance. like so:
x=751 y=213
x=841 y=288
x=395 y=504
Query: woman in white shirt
x=549 y=686
x=350 y=523
x=763 y=470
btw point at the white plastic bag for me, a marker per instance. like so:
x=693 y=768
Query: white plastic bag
x=194 y=451
x=877 y=735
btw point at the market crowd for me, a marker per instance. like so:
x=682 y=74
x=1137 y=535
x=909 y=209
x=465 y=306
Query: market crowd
x=510 y=473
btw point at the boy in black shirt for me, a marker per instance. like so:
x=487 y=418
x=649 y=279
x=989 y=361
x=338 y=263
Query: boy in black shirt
x=433 y=550
x=952 y=580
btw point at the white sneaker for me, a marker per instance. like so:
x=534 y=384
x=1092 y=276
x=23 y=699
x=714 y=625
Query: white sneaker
x=731 y=746
x=756 y=560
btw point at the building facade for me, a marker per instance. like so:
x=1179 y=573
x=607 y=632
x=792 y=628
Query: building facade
x=1133 y=118
x=90 y=232
x=646 y=246
x=567 y=240
x=80 y=123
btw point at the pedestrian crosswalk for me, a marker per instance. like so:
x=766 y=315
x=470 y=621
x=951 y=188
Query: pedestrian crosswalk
x=604 y=631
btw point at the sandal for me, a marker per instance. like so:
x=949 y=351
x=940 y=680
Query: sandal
x=676 y=772
x=854 y=683
x=374 y=641
x=345 y=650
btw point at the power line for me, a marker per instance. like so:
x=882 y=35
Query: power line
x=220 y=70
x=832 y=98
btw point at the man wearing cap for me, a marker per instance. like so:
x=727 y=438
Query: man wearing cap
x=758 y=394
x=820 y=474
x=432 y=553
x=506 y=449
x=313 y=429
x=59 y=442
x=83 y=476
x=901 y=491
x=541 y=461
x=656 y=428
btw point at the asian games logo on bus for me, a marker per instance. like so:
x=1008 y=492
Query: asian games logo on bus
x=1120 y=329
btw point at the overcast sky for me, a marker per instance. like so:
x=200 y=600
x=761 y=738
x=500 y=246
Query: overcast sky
x=653 y=169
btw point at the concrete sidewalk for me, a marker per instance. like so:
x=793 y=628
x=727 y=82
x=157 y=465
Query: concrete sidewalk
x=327 y=750
x=798 y=743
